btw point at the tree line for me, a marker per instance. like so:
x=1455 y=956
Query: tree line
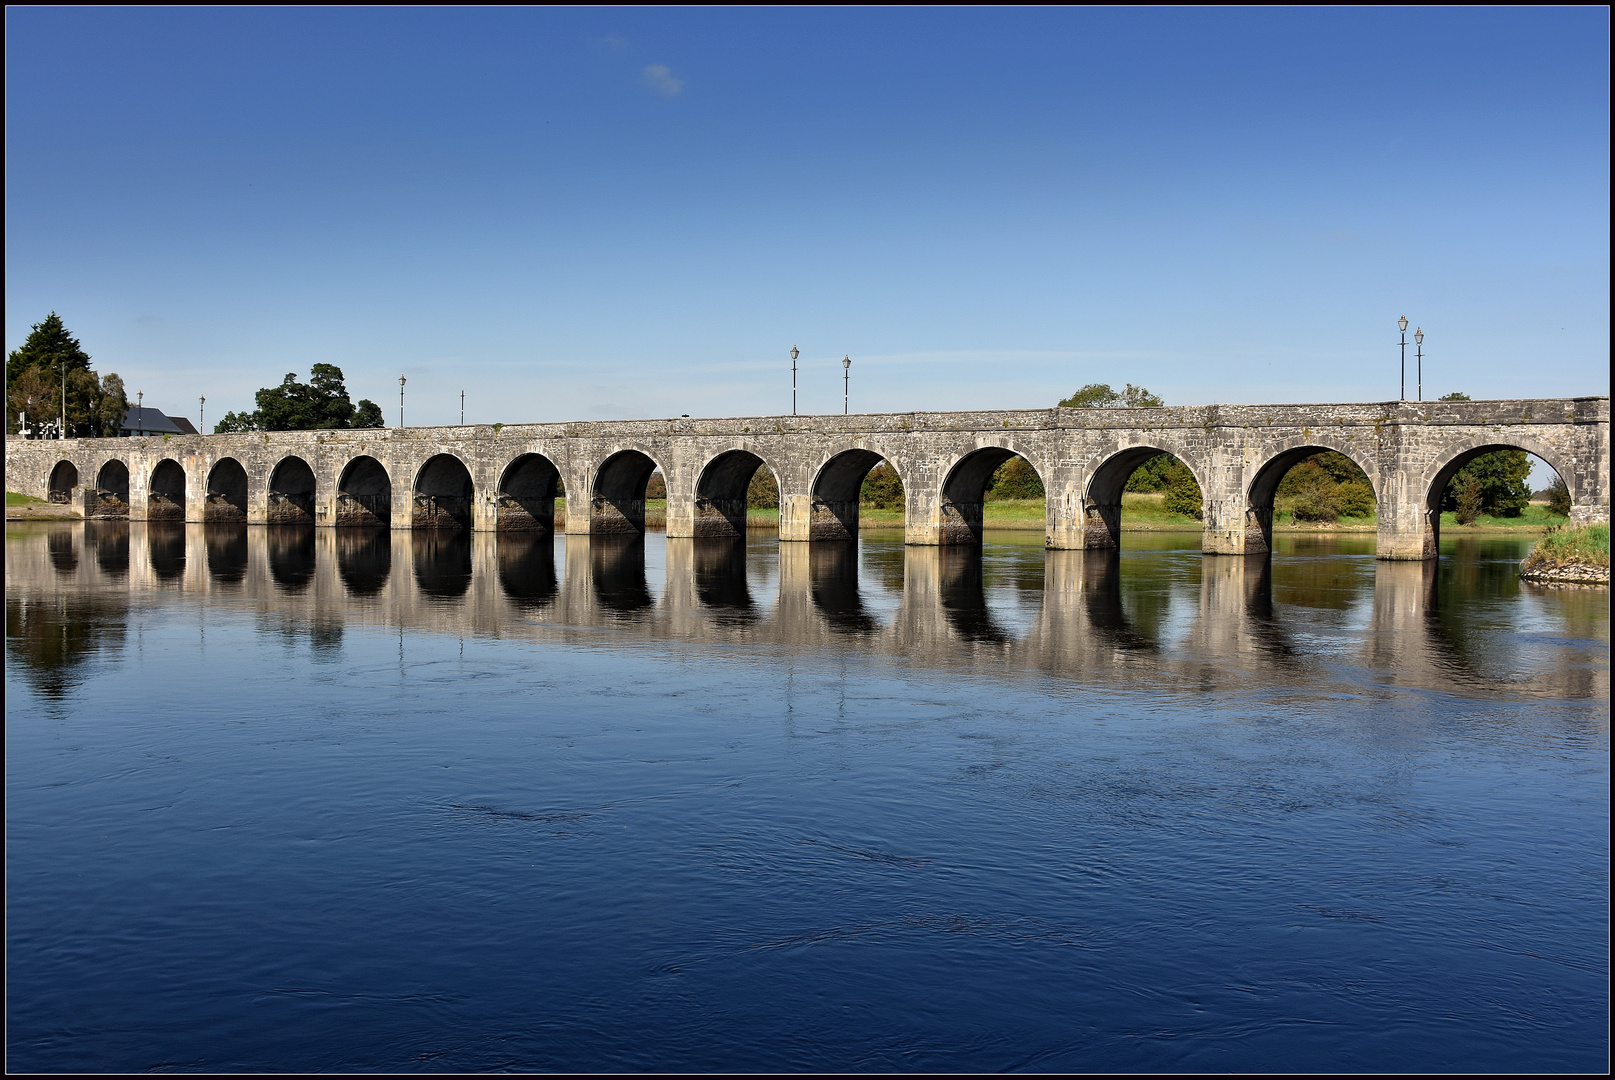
x=50 y=362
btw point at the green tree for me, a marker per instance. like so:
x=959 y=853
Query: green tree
x=882 y=487
x=1325 y=487
x=1496 y=484
x=1559 y=497
x=1014 y=479
x=1101 y=396
x=320 y=403
x=1456 y=395
x=763 y=491
x=35 y=377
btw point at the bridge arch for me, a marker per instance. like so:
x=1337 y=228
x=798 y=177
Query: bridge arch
x=721 y=492
x=166 y=498
x=1108 y=474
x=443 y=494
x=292 y=489
x=112 y=490
x=364 y=493
x=835 y=491
x=226 y=498
x=1274 y=466
x=617 y=502
x=526 y=498
x=964 y=490
x=63 y=479
x=1456 y=455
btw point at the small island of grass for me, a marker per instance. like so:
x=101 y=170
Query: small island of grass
x=1570 y=555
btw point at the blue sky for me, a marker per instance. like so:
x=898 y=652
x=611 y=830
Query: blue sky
x=619 y=213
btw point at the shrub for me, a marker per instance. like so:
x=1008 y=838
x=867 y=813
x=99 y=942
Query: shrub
x=1015 y=479
x=1559 y=497
x=1356 y=499
x=657 y=487
x=1564 y=545
x=763 y=491
x=1470 y=502
x=882 y=487
x=1184 y=497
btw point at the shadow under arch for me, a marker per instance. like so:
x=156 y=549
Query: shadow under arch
x=442 y=560
x=720 y=578
x=165 y=547
x=226 y=547
x=617 y=567
x=111 y=541
x=964 y=493
x=443 y=492
x=364 y=494
x=834 y=508
x=63 y=479
x=364 y=560
x=527 y=568
x=291 y=556
x=166 y=500
x=1102 y=502
x=526 y=498
x=291 y=493
x=617 y=502
x=833 y=576
x=1463 y=456
x=720 y=493
x=226 y=499
x=1265 y=485
x=111 y=491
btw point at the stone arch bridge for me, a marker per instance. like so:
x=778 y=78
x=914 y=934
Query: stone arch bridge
x=506 y=477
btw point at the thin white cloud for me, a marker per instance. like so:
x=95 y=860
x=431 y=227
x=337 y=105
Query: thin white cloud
x=660 y=79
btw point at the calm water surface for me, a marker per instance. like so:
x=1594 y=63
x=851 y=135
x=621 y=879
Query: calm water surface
x=304 y=800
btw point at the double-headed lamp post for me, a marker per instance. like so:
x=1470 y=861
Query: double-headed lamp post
x=846 y=374
x=1418 y=340
x=400 y=401
x=794 y=355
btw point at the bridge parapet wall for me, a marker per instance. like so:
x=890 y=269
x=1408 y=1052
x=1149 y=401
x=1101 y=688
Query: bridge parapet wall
x=1083 y=456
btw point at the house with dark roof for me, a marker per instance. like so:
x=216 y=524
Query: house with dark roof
x=142 y=421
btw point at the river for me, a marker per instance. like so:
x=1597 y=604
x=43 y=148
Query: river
x=334 y=800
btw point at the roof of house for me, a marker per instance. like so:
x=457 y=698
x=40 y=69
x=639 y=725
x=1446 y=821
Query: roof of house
x=184 y=425
x=150 y=420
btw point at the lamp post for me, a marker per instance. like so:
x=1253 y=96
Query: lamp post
x=63 y=433
x=794 y=355
x=1418 y=340
x=462 y=408
x=1402 y=324
x=201 y=414
x=140 y=408
x=846 y=374
x=400 y=401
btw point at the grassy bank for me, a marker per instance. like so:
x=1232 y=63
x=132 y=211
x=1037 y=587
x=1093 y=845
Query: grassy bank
x=20 y=507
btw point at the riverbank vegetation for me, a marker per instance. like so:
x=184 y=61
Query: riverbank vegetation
x=1570 y=554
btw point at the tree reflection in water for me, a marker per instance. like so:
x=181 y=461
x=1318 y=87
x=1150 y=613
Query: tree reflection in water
x=364 y=559
x=51 y=640
x=527 y=568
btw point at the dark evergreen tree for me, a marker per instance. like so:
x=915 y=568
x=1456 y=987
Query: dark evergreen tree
x=35 y=377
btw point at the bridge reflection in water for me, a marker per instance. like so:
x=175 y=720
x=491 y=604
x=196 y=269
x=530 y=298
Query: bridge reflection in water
x=1170 y=614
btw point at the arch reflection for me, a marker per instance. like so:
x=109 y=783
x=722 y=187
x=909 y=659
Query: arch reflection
x=226 y=552
x=720 y=578
x=833 y=576
x=364 y=559
x=165 y=546
x=617 y=565
x=291 y=556
x=64 y=556
x=110 y=538
x=442 y=558
x=527 y=568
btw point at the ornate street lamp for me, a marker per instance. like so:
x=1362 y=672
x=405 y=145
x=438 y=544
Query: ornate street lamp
x=201 y=414
x=1402 y=324
x=846 y=374
x=1418 y=339
x=794 y=355
x=401 y=400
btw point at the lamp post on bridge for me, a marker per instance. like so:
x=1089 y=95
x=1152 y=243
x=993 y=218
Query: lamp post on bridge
x=201 y=414
x=794 y=355
x=1402 y=324
x=462 y=408
x=1418 y=340
x=400 y=401
x=846 y=375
